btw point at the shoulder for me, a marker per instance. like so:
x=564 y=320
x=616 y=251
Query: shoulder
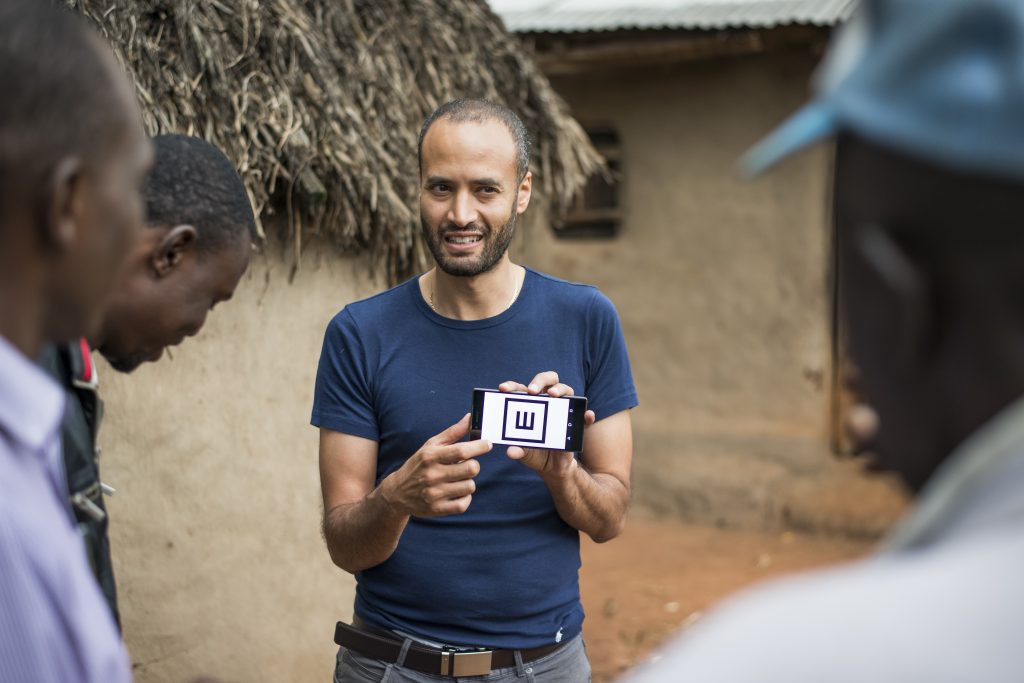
x=50 y=360
x=577 y=296
x=921 y=616
x=71 y=364
x=805 y=629
x=566 y=288
x=394 y=303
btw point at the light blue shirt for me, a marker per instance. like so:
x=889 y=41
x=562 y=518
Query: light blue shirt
x=942 y=602
x=54 y=625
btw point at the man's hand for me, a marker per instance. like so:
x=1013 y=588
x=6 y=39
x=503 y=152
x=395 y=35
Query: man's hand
x=546 y=463
x=438 y=478
x=591 y=494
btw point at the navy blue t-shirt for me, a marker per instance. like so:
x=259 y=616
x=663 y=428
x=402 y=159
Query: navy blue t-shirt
x=505 y=573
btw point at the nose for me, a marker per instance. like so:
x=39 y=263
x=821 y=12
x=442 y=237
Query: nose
x=463 y=209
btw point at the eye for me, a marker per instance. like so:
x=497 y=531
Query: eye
x=488 y=189
x=440 y=188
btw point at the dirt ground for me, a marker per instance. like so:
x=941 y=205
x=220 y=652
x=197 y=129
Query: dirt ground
x=661 y=575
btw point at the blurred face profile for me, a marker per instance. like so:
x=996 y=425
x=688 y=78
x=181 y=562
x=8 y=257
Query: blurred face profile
x=100 y=221
x=151 y=312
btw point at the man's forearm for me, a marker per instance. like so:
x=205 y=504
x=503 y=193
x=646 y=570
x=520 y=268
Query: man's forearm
x=592 y=503
x=363 y=534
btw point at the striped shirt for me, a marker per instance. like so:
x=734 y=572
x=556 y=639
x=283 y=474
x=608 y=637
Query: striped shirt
x=54 y=625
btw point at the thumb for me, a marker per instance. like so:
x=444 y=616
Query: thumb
x=532 y=458
x=515 y=453
x=453 y=434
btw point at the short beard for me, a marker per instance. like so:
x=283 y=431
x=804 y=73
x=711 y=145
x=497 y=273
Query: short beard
x=460 y=267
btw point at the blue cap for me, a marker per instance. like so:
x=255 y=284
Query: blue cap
x=942 y=80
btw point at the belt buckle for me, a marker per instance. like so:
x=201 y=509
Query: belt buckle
x=459 y=664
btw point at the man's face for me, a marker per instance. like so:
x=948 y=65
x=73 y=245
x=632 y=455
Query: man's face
x=470 y=196
x=152 y=312
x=104 y=213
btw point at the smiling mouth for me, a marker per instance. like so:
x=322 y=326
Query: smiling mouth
x=462 y=239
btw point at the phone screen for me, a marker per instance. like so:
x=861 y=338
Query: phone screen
x=529 y=421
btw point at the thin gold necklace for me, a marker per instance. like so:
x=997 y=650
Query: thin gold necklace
x=515 y=295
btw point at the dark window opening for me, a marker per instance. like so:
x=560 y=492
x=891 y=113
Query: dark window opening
x=595 y=212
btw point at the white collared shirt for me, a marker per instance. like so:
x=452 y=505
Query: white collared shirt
x=54 y=625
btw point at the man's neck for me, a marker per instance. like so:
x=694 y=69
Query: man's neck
x=473 y=298
x=21 y=316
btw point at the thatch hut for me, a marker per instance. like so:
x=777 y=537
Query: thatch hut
x=319 y=103
x=215 y=526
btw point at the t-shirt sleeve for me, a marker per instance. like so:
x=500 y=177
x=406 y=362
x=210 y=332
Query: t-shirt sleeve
x=610 y=387
x=343 y=396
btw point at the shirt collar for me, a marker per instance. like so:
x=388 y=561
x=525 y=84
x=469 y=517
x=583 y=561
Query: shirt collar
x=31 y=403
x=959 y=486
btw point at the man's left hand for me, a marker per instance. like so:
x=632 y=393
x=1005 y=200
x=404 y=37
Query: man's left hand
x=547 y=463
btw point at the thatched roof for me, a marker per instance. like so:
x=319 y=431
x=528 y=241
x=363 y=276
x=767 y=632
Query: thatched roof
x=319 y=102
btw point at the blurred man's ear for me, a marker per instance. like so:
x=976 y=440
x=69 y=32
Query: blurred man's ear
x=62 y=211
x=172 y=249
x=897 y=294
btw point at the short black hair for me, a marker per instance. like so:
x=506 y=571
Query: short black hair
x=57 y=97
x=194 y=183
x=479 y=111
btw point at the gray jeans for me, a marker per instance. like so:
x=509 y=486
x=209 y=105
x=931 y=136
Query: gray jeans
x=567 y=664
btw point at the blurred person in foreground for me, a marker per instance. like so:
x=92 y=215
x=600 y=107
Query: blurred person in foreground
x=191 y=256
x=73 y=155
x=927 y=100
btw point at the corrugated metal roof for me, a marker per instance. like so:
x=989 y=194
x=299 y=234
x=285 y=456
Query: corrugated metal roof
x=572 y=16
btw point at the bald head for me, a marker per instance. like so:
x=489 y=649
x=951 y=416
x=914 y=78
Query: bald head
x=482 y=111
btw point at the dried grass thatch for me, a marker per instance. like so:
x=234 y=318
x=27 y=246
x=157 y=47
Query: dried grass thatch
x=319 y=102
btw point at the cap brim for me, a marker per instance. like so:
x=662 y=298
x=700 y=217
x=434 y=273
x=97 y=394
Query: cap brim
x=814 y=122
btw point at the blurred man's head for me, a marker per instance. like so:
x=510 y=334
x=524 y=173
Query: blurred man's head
x=189 y=258
x=931 y=283
x=928 y=99
x=73 y=155
x=475 y=182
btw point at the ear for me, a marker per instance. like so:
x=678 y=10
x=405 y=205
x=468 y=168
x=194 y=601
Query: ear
x=172 y=249
x=62 y=212
x=903 y=297
x=525 y=192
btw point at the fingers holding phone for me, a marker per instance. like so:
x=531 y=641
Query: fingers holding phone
x=438 y=479
x=550 y=462
x=543 y=427
x=543 y=383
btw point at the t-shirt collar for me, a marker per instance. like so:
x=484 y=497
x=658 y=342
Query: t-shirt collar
x=31 y=403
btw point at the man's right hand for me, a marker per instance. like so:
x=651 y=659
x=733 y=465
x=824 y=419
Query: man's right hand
x=438 y=478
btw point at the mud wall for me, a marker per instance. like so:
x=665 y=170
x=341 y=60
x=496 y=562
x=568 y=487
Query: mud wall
x=722 y=287
x=215 y=524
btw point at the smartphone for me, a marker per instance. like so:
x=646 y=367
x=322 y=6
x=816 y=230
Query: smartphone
x=527 y=420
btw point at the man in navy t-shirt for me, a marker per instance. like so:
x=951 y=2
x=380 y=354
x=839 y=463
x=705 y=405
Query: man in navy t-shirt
x=466 y=556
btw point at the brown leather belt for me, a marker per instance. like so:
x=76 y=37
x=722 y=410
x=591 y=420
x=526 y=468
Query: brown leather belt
x=387 y=647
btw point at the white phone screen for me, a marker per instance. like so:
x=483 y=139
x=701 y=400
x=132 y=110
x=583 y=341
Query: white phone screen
x=526 y=420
